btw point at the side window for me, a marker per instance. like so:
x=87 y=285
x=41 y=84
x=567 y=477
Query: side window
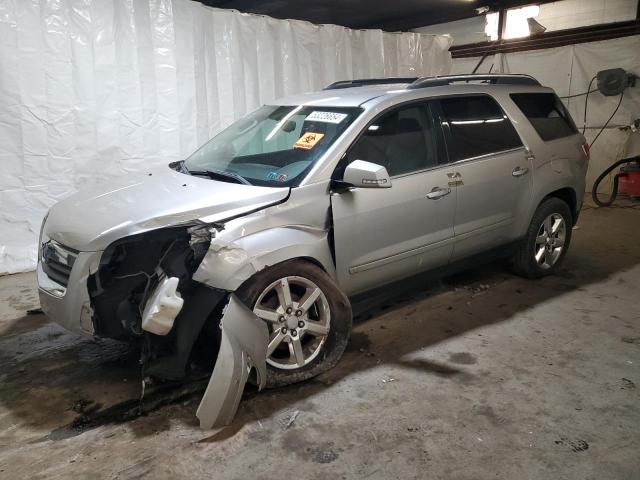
x=402 y=141
x=547 y=114
x=478 y=126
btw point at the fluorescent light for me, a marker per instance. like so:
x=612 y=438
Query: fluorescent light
x=516 y=25
x=491 y=25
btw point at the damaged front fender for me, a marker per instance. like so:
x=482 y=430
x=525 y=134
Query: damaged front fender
x=243 y=346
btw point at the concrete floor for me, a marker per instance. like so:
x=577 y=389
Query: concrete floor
x=484 y=375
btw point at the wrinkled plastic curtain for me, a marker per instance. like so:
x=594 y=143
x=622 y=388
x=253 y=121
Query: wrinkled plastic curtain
x=93 y=89
x=569 y=70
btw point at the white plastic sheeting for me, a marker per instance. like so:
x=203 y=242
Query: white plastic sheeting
x=569 y=70
x=93 y=89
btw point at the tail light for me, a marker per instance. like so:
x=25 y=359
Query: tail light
x=586 y=150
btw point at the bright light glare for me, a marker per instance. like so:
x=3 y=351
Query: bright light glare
x=516 y=25
x=491 y=27
x=282 y=122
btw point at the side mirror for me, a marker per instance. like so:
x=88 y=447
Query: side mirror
x=366 y=175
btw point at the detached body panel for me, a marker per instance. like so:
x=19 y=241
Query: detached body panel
x=243 y=346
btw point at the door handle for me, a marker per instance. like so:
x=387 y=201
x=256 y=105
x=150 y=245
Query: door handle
x=438 y=192
x=519 y=171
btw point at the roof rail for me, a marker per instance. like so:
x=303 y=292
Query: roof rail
x=369 y=81
x=493 y=79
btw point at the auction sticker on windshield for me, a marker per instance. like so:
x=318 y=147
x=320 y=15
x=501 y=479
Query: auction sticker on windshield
x=308 y=140
x=326 y=117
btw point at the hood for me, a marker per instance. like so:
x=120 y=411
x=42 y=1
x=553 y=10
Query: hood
x=92 y=219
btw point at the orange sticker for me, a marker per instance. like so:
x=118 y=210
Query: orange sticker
x=308 y=140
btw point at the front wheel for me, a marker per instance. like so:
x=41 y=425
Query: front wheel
x=308 y=317
x=547 y=240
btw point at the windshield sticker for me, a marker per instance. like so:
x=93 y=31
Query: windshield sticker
x=277 y=177
x=326 y=117
x=308 y=140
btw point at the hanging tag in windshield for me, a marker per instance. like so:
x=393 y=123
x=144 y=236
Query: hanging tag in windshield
x=326 y=117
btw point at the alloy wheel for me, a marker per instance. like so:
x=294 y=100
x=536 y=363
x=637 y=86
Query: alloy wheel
x=298 y=316
x=550 y=241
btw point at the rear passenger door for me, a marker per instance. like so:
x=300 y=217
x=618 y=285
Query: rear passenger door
x=490 y=169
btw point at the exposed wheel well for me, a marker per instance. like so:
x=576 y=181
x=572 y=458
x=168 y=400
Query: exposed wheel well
x=310 y=260
x=314 y=261
x=568 y=195
x=210 y=332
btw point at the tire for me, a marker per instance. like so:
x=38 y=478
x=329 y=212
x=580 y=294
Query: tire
x=527 y=262
x=320 y=349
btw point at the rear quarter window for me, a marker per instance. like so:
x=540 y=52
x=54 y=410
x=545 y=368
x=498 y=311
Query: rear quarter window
x=477 y=127
x=547 y=114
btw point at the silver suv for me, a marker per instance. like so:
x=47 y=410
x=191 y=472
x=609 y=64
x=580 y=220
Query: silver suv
x=244 y=256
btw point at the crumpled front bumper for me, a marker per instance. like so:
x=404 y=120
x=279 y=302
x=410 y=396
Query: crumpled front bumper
x=243 y=346
x=69 y=306
x=243 y=341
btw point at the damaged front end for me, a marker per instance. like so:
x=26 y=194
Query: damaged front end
x=143 y=290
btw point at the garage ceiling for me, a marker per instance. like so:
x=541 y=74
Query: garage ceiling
x=385 y=14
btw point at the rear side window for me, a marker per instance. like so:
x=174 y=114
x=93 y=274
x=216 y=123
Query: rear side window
x=477 y=126
x=547 y=114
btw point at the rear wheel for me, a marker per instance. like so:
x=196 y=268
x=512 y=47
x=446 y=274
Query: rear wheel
x=547 y=240
x=308 y=317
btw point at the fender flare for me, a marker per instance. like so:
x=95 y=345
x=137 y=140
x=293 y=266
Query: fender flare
x=558 y=177
x=549 y=191
x=228 y=264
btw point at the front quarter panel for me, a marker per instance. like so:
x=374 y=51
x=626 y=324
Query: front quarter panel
x=228 y=264
x=298 y=228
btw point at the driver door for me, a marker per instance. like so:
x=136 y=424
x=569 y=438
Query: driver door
x=385 y=234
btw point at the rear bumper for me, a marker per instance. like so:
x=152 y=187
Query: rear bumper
x=69 y=306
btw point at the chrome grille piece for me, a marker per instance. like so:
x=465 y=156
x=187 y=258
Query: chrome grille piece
x=57 y=261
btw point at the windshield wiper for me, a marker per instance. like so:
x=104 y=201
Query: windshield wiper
x=220 y=175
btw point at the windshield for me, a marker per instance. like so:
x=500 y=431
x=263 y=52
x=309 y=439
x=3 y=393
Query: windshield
x=273 y=146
